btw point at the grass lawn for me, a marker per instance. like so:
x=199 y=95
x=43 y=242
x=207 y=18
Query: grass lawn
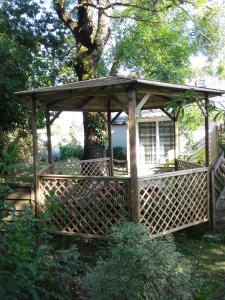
x=207 y=253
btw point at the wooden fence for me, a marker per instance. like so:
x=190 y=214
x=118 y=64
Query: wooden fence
x=85 y=205
x=173 y=201
x=19 y=197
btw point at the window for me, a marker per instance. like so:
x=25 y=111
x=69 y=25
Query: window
x=147 y=141
x=166 y=140
x=156 y=141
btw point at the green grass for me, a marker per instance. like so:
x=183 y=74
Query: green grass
x=207 y=253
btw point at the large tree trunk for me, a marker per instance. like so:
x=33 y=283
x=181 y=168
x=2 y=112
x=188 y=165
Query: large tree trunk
x=90 y=42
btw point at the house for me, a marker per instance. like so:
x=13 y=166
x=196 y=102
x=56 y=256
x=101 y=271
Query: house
x=156 y=139
x=155 y=142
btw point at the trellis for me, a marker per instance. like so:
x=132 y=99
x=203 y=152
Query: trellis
x=85 y=205
x=91 y=167
x=185 y=165
x=173 y=201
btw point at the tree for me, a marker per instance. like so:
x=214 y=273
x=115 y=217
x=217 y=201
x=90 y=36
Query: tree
x=143 y=26
x=29 y=49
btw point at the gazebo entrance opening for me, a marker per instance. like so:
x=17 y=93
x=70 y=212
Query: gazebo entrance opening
x=94 y=197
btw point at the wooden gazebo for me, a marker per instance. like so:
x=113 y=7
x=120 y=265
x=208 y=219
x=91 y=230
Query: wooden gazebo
x=91 y=202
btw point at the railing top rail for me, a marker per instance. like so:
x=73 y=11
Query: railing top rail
x=45 y=169
x=172 y=174
x=84 y=160
x=189 y=162
x=81 y=177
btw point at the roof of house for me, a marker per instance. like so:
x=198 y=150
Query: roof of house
x=94 y=95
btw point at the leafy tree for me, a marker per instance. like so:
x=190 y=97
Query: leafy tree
x=154 y=38
x=29 y=57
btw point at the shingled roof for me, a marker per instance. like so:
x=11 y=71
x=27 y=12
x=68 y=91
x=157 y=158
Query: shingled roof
x=93 y=95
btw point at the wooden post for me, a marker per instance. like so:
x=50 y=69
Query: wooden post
x=35 y=154
x=176 y=152
x=135 y=198
x=207 y=162
x=110 y=139
x=49 y=142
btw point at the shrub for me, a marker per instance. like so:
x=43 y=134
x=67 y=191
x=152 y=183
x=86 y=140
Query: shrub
x=71 y=151
x=31 y=270
x=139 y=267
x=118 y=153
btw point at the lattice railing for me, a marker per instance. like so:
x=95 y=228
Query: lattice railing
x=90 y=167
x=172 y=201
x=85 y=205
x=186 y=165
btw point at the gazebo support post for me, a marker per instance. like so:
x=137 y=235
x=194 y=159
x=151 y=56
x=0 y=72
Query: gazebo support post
x=207 y=162
x=49 y=142
x=35 y=154
x=135 y=201
x=176 y=134
x=175 y=144
x=110 y=139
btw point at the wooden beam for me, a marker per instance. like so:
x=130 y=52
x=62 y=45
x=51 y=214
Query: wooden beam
x=49 y=142
x=55 y=117
x=202 y=108
x=135 y=201
x=142 y=102
x=86 y=101
x=35 y=154
x=110 y=139
x=177 y=113
x=116 y=116
x=168 y=114
x=207 y=162
x=115 y=98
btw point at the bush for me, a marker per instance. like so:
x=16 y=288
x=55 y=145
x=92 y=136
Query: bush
x=139 y=267
x=71 y=151
x=118 y=153
x=31 y=270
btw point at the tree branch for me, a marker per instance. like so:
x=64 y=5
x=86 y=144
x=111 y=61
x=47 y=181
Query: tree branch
x=66 y=18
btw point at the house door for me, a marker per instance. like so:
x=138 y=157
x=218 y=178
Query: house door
x=147 y=143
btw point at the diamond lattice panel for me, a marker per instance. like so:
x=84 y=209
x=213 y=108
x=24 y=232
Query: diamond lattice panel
x=89 y=206
x=170 y=203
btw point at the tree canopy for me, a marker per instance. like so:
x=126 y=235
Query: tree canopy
x=70 y=40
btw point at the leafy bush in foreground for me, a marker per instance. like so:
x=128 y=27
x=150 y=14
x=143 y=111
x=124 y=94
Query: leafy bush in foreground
x=31 y=270
x=139 y=267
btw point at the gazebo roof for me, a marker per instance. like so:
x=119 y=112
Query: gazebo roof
x=93 y=95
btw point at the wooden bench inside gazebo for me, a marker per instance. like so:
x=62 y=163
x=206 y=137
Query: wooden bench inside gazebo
x=91 y=198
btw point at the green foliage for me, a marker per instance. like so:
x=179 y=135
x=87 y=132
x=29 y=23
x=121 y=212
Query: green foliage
x=30 y=270
x=97 y=127
x=139 y=267
x=71 y=151
x=4 y=190
x=8 y=159
x=118 y=153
